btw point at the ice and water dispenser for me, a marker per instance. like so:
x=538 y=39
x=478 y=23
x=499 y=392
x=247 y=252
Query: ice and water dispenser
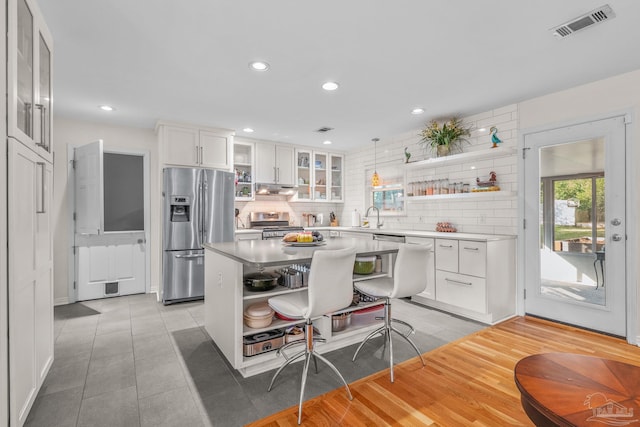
x=180 y=210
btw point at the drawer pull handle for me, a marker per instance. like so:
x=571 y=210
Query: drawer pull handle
x=446 y=246
x=458 y=282
x=471 y=249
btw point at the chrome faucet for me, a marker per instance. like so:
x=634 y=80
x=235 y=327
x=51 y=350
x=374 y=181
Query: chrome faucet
x=378 y=223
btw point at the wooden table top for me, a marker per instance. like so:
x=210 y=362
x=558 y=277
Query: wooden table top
x=567 y=389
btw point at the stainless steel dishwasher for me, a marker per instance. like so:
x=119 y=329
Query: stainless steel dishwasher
x=392 y=257
x=389 y=238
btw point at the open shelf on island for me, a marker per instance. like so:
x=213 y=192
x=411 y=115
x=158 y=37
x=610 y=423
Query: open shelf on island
x=278 y=290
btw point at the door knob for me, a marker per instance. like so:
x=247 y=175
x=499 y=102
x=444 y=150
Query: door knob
x=616 y=221
x=616 y=237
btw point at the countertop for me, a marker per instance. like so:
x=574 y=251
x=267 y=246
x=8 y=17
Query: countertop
x=419 y=233
x=268 y=253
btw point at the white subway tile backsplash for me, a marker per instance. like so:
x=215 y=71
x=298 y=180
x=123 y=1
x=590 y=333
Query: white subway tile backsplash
x=490 y=214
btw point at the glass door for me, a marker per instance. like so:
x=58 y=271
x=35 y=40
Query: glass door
x=42 y=121
x=574 y=215
x=337 y=164
x=304 y=174
x=24 y=94
x=320 y=176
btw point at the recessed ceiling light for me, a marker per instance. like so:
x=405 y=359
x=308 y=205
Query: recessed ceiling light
x=259 y=66
x=482 y=129
x=417 y=110
x=327 y=142
x=106 y=107
x=247 y=130
x=330 y=86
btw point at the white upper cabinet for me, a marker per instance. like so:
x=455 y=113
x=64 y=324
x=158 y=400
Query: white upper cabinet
x=319 y=176
x=274 y=164
x=29 y=74
x=184 y=145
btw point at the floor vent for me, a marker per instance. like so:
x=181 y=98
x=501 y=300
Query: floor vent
x=596 y=16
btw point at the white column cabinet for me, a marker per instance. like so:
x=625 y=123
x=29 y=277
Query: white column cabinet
x=184 y=145
x=29 y=77
x=274 y=164
x=30 y=277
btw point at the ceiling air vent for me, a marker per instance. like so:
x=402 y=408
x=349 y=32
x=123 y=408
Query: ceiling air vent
x=324 y=129
x=596 y=16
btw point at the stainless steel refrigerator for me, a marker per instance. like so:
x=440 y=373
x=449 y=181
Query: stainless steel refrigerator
x=197 y=209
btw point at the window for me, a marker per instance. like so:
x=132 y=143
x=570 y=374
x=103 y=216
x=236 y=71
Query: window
x=576 y=221
x=388 y=197
x=123 y=192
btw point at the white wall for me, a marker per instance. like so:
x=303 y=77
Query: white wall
x=73 y=132
x=4 y=355
x=490 y=215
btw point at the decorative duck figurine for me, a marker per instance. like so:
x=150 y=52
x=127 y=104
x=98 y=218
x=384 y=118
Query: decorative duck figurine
x=407 y=155
x=494 y=136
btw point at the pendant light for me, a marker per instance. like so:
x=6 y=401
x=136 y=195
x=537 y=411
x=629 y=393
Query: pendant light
x=375 y=178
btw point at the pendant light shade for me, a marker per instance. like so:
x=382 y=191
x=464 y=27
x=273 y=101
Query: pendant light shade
x=375 y=178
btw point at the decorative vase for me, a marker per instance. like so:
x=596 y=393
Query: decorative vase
x=443 y=150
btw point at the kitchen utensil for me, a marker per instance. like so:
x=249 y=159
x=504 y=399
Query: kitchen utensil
x=339 y=322
x=263 y=342
x=258 y=315
x=364 y=265
x=259 y=282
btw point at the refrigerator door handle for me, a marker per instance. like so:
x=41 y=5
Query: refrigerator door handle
x=190 y=256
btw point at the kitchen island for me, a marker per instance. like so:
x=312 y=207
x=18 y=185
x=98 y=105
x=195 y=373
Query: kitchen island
x=226 y=297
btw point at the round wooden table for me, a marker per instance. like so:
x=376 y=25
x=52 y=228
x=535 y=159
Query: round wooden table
x=563 y=389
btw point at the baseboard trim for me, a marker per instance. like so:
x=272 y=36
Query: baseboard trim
x=61 y=301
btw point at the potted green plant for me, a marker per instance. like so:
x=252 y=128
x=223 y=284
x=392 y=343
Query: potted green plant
x=445 y=138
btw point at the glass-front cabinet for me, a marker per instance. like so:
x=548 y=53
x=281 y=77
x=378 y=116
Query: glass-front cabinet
x=336 y=164
x=304 y=174
x=319 y=176
x=244 y=170
x=29 y=69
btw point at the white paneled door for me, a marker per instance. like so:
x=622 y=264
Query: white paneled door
x=575 y=225
x=111 y=223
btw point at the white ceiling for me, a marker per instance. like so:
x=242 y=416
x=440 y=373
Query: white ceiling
x=188 y=61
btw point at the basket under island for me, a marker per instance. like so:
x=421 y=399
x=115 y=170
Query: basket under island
x=226 y=297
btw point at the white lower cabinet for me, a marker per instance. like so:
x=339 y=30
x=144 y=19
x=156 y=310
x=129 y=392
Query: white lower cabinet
x=30 y=268
x=475 y=279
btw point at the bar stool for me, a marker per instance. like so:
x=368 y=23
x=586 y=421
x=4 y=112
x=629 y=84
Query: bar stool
x=330 y=289
x=409 y=278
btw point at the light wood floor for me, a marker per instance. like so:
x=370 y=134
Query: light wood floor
x=468 y=382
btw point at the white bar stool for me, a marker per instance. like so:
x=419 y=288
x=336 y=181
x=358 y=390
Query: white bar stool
x=409 y=278
x=330 y=289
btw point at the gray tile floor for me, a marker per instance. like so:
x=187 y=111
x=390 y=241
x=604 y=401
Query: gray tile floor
x=130 y=361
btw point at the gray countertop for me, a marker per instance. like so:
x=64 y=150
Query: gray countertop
x=268 y=253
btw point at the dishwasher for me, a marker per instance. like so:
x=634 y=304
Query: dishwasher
x=391 y=258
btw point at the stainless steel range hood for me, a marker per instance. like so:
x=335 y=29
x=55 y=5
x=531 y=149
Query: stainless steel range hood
x=275 y=190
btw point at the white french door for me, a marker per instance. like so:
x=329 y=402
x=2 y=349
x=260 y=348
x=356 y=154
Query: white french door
x=575 y=235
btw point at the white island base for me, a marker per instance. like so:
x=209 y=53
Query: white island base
x=226 y=298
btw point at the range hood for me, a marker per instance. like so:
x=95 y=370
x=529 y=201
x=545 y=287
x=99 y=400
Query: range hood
x=275 y=190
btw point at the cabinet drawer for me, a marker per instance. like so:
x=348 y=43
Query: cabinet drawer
x=461 y=290
x=473 y=258
x=447 y=255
